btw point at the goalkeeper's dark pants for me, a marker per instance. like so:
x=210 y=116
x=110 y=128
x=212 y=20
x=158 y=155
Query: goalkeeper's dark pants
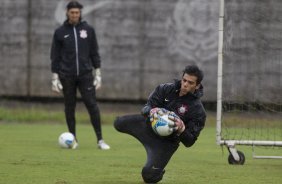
x=159 y=150
x=85 y=86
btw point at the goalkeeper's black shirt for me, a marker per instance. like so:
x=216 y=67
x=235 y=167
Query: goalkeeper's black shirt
x=189 y=108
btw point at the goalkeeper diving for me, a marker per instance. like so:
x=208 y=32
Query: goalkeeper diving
x=181 y=101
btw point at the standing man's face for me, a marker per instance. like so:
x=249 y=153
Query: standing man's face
x=188 y=84
x=73 y=15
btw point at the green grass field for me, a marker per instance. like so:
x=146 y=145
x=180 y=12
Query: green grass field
x=29 y=153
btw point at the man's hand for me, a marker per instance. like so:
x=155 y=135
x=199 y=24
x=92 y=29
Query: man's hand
x=98 y=79
x=155 y=112
x=56 y=83
x=159 y=111
x=178 y=123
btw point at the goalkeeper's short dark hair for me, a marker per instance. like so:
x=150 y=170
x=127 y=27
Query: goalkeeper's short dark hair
x=195 y=71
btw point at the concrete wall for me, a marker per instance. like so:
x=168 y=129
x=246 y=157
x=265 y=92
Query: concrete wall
x=142 y=43
x=253 y=51
x=13 y=47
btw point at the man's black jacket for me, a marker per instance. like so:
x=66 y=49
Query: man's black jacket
x=189 y=108
x=74 y=49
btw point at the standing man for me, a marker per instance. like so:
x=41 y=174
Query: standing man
x=74 y=54
x=181 y=97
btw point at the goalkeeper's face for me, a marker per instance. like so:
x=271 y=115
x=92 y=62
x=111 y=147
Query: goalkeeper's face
x=188 y=84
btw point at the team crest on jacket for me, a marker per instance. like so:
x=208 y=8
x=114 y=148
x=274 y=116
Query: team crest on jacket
x=83 y=33
x=182 y=109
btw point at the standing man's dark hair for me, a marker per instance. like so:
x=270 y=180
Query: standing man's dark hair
x=74 y=4
x=74 y=55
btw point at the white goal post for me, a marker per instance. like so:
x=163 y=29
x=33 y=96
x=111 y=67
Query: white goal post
x=235 y=157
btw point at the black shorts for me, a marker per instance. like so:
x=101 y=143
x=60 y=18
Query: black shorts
x=159 y=150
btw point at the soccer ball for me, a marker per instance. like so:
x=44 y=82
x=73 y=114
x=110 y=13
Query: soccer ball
x=160 y=125
x=66 y=140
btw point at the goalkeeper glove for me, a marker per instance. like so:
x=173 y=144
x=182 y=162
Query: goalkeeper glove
x=56 y=83
x=98 y=79
x=155 y=112
x=159 y=111
x=178 y=123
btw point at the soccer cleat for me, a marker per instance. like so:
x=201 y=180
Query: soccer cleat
x=102 y=145
x=74 y=145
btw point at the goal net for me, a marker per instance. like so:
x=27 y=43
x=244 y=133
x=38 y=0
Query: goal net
x=249 y=108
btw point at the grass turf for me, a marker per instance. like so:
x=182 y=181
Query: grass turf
x=29 y=154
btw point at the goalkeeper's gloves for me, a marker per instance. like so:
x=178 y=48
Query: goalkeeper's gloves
x=159 y=111
x=98 y=79
x=155 y=112
x=56 y=83
x=178 y=123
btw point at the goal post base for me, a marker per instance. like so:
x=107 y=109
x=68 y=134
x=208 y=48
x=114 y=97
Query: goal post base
x=231 y=143
x=238 y=158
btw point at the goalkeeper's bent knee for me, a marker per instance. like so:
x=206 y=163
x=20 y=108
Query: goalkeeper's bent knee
x=118 y=124
x=152 y=175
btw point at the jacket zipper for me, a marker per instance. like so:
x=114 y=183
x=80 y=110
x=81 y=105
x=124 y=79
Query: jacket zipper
x=76 y=51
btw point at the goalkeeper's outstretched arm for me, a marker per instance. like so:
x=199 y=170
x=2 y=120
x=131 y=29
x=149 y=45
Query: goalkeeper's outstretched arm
x=193 y=128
